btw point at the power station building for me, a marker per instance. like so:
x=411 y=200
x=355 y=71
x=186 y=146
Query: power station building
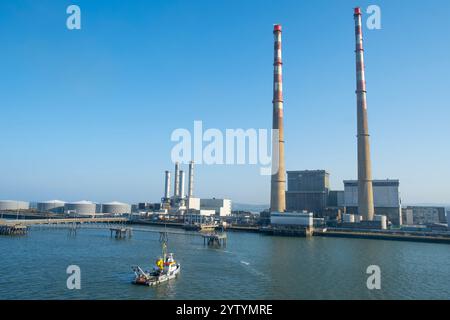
x=386 y=197
x=308 y=190
x=419 y=215
x=222 y=207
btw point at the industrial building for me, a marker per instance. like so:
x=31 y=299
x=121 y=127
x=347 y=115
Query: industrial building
x=420 y=215
x=386 y=199
x=13 y=205
x=193 y=203
x=336 y=199
x=52 y=206
x=179 y=201
x=80 y=208
x=116 y=208
x=307 y=190
x=222 y=207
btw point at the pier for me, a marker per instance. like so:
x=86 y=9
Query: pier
x=386 y=235
x=13 y=230
x=121 y=233
x=288 y=231
x=215 y=239
x=20 y=227
x=29 y=222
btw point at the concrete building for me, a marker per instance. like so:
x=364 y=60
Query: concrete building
x=336 y=199
x=417 y=215
x=80 y=208
x=222 y=207
x=116 y=208
x=13 y=205
x=307 y=190
x=53 y=206
x=193 y=203
x=407 y=216
x=386 y=199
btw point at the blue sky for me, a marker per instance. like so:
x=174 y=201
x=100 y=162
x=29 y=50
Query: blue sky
x=88 y=114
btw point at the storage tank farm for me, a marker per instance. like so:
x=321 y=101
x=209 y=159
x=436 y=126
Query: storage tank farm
x=12 y=205
x=116 y=207
x=53 y=206
x=81 y=207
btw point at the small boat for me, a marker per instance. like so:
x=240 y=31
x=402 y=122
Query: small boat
x=165 y=268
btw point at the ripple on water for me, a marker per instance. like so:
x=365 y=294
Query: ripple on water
x=252 y=266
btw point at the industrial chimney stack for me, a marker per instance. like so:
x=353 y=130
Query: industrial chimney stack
x=278 y=181
x=182 y=176
x=191 y=180
x=167 y=187
x=176 y=186
x=365 y=191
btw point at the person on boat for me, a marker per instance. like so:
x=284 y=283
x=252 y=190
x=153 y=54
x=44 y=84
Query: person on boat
x=160 y=263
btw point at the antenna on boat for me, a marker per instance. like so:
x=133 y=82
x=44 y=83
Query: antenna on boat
x=164 y=239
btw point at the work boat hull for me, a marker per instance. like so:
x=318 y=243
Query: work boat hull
x=151 y=280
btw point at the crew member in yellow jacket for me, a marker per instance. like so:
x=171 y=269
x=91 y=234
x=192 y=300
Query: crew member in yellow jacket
x=160 y=264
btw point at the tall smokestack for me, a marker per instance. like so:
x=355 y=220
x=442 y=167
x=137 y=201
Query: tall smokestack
x=167 y=186
x=182 y=184
x=365 y=191
x=191 y=180
x=278 y=182
x=176 y=184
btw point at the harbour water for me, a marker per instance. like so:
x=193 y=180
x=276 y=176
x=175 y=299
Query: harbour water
x=252 y=266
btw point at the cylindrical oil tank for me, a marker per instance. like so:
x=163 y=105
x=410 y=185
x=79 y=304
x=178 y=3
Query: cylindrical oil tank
x=54 y=206
x=116 y=208
x=382 y=219
x=9 y=205
x=349 y=218
x=80 y=207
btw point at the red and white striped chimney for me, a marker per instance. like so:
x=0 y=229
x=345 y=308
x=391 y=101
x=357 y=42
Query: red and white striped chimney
x=278 y=181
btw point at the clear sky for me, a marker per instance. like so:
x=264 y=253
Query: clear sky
x=88 y=114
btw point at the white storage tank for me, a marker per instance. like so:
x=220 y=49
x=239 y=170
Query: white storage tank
x=116 y=208
x=12 y=205
x=54 y=206
x=348 y=218
x=304 y=219
x=81 y=207
x=382 y=219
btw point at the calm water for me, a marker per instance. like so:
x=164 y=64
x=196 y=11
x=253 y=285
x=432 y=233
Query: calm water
x=252 y=266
